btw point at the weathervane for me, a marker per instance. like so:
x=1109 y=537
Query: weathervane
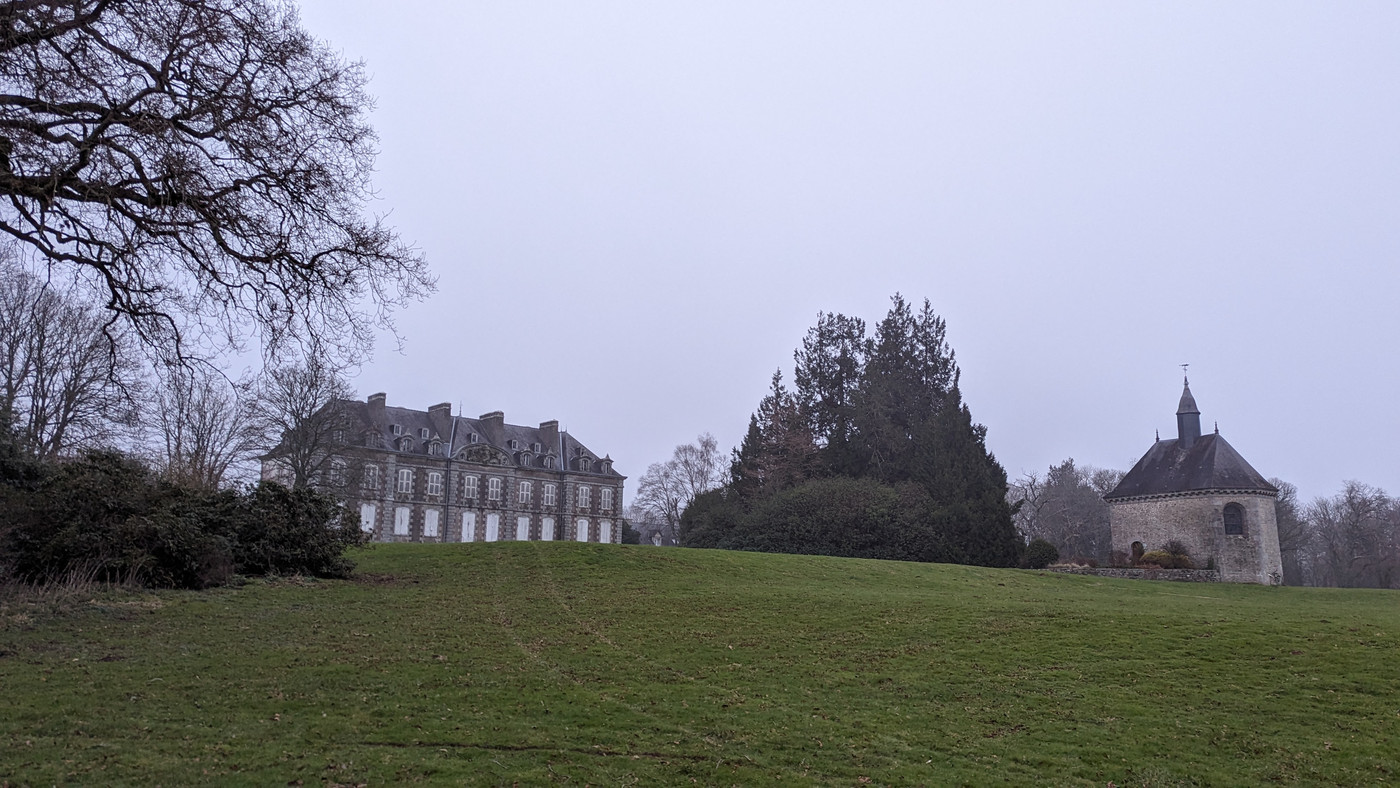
x=1183 y=370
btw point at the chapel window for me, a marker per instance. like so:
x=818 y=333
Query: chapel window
x=1234 y=519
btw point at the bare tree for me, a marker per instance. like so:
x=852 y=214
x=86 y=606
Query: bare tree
x=203 y=165
x=301 y=408
x=1292 y=532
x=1066 y=508
x=668 y=487
x=206 y=426
x=1354 y=538
x=66 y=378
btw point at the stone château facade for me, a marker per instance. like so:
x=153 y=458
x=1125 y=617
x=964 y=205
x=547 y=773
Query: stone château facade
x=1199 y=491
x=429 y=476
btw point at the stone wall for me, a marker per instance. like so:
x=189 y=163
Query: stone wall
x=1197 y=521
x=1179 y=575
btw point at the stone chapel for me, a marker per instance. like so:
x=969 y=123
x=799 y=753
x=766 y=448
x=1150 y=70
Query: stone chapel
x=1197 y=490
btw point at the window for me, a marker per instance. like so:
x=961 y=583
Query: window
x=371 y=477
x=514 y=444
x=549 y=462
x=526 y=492
x=605 y=531
x=475 y=438
x=401 y=521
x=585 y=493
x=605 y=498
x=525 y=460
x=535 y=448
x=337 y=475
x=337 y=436
x=607 y=467
x=406 y=444
x=522 y=529
x=547 y=529
x=367 y=517
x=1234 y=519
x=581 y=530
x=396 y=429
x=435 y=448
x=493 y=527
x=435 y=484
x=430 y=523
x=584 y=464
x=469 y=486
x=549 y=494
x=493 y=489
x=423 y=433
x=468 y=526
x=405 y=480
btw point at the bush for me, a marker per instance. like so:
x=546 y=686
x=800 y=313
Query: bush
x=1040 y=554
x=301 y=531
x=107 y=517
x=1173 y=556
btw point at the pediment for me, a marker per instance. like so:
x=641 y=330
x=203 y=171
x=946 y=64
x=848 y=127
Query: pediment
x=483 y=454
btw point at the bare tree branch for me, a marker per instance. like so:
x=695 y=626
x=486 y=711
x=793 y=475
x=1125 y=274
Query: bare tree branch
x=204 y=165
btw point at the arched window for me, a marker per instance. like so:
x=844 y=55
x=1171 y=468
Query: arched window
x=1234 y=519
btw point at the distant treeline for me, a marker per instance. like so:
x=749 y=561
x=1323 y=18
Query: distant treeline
x=874 y=454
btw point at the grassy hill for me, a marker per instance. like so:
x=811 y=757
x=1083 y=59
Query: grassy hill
x=538 y=662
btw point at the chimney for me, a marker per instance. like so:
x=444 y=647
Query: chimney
x=440 y=416
x=549 y=438
x=493 y=424
x=376 y=404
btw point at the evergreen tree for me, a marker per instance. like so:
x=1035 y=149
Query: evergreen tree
x=886 y=412
x=829 y=368
x=778 y=451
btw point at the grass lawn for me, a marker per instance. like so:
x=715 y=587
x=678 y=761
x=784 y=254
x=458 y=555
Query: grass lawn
x=588 y=664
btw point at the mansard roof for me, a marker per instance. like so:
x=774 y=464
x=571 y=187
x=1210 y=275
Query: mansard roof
x=455 y=434
x=1210 y=463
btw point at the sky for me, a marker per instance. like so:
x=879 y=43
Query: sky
x=635 y=211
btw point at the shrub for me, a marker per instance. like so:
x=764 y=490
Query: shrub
x=1173 y=556
x=106 y=517
x=301 y=531
x=1040 y=554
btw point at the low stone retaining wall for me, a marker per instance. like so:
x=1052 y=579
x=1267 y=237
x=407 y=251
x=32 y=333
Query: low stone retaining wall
x=1179 y=575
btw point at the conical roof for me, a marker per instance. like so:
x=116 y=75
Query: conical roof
x=1210 y=463
x=1188 y=402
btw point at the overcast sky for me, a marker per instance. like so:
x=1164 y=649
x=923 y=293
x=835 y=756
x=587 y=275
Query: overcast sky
x=636 y=210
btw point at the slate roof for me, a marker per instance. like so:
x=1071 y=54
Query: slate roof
x=1211 y=463
x=454 y=434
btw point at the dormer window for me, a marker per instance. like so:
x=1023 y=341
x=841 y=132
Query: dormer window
x=397 y=429
x=514 y=444
x=536 y=448
x=475 y=438
x=607 y=467
x=525 y=460
x=406 y=444
x=423 y=433
x=549 y=462
x=435 y=448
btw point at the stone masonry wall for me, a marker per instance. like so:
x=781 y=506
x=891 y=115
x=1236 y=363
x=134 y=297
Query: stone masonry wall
x=1197 y=521
x=1180 y=575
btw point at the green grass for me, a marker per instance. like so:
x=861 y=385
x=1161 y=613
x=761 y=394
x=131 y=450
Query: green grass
x=587 y=664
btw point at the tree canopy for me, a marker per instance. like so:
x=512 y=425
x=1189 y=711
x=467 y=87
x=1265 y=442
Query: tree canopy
x=884 y=410
x=202 y=165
